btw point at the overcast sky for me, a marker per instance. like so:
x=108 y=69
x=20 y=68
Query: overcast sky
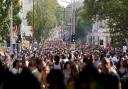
x=64 y=2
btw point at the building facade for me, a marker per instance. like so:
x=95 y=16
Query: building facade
x=100 y=34
x=27 y=5
x=70 y=17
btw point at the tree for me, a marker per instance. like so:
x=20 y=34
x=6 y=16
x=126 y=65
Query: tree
x=60 y=11
x=44 y=17
x=83 y=25
x=4 y=19
x=115 y=12
x=4 y=16
x=16 y=10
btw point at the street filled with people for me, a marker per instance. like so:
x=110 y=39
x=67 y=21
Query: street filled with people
x=55 y=65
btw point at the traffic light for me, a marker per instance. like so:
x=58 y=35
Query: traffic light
x=18 y=39
x=73 y=38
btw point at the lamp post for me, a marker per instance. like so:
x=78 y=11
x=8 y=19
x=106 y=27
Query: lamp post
x=73 y=23
x=33 y=28
x=73 y=10
x=33 y=13
x=11 y=27
x=73 y=15
x=61 y=11
x=73 y=19
x=38 y=21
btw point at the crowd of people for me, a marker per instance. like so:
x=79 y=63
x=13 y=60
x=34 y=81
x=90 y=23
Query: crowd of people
x=53 y=65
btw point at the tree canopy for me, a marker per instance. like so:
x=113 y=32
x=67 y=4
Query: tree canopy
x=46 y=16
x=60 y=15
x=4 y=16
x=83 y=25
x=115 y=12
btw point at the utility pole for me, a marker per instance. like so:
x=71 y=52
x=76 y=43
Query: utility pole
x=73 y=19
x=63 y=24
x=38 y=20
x=46 y=18
x=11 y=28
x=33 y=13
x=33 y=28
x=74 y=16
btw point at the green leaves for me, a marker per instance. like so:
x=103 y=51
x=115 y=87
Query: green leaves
x=4 y=16
x=60 y=11
x=17 y=20
x=115 y=11
x=4 y=7
x=16 y=7
x=46 y=17
x=83 y=25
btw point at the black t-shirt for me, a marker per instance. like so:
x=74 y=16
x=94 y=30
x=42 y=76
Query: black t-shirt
x=109 y=81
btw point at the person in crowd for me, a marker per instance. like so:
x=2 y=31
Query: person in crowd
x=67 y=72
x=88 y=78
x=16 y=67
x=108 y=78
x=24 y=80
x=122 y=71
x=57 y=64
x=43 y=75
x=73 y=77
x=53 y=65
x=33 y=67
x=55 y=79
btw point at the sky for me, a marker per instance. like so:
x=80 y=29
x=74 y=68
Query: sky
x=64 y=2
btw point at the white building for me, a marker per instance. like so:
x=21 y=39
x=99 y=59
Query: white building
x=70 y=18
x=100 y=34
x=26 y=6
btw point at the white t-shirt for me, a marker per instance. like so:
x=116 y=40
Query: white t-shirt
x=97 y=63
x=124 y=48
x=57 y=66
x=114 y=59
x=36 y=73
x=14 y=70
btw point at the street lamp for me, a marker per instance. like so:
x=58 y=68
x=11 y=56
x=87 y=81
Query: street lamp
x=73 y=19
x=33 y=13
x=33 y=28
x=11 y=27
